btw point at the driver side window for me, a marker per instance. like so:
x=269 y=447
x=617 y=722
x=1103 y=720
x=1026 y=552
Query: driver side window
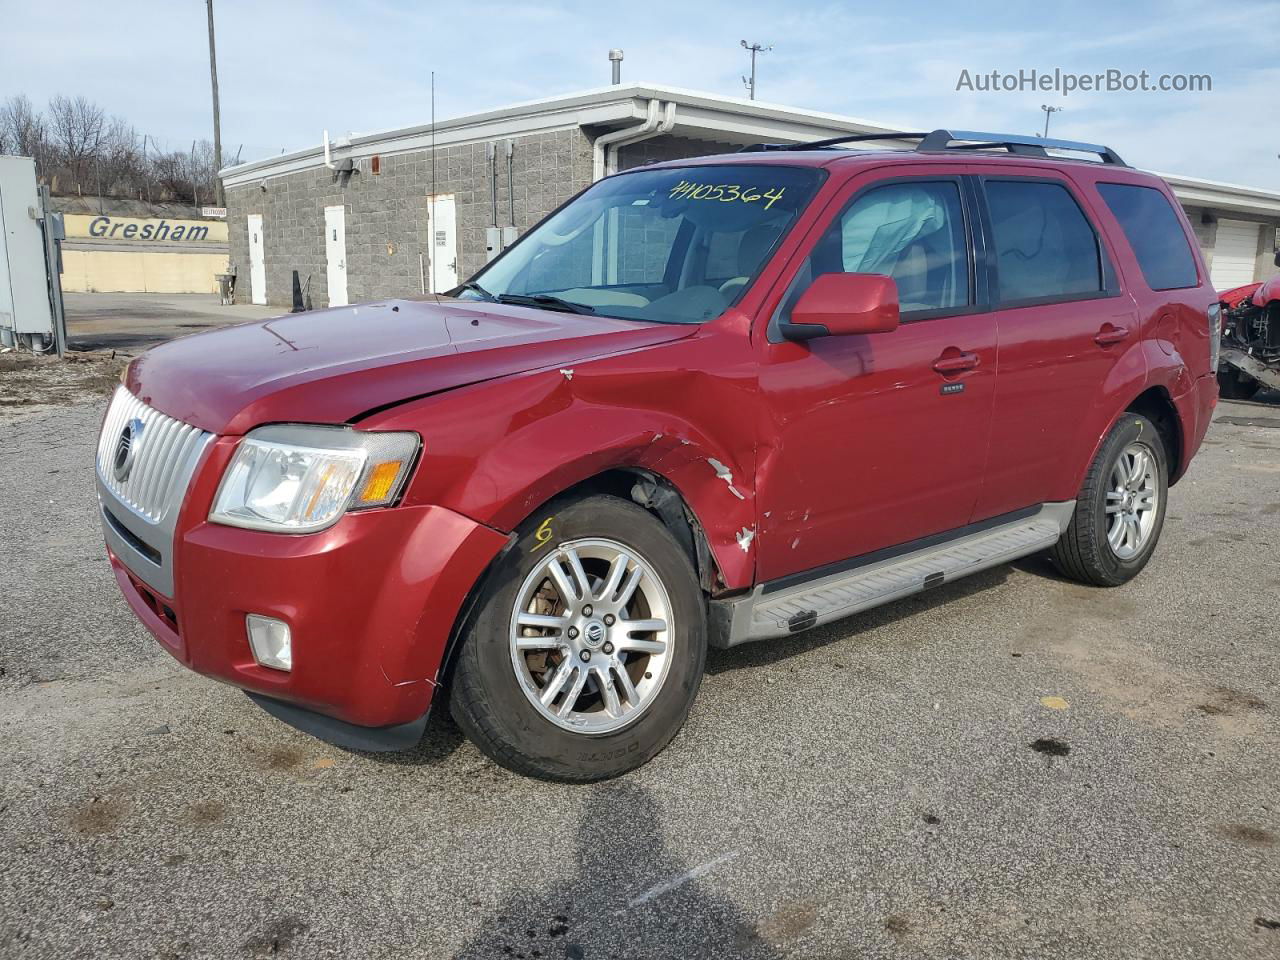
x=913 y=232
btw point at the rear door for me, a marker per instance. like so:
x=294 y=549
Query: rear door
x=1063 y=326
x=876 y=441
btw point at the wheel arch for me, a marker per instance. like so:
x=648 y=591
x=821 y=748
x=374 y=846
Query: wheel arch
x=1156 y=404
x=636 y=484
x=661 y=497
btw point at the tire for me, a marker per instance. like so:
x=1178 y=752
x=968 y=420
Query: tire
x=1233 y=385
x=1085 y=552
x=630 y=702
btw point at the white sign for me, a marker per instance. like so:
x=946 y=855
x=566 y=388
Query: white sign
x=213 y=212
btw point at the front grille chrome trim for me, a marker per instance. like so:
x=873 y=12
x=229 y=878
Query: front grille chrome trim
x=165 y=455
x=148 y=499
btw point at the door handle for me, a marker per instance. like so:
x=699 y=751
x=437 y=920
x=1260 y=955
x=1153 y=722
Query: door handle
x=1110 y=334
x=955 y=361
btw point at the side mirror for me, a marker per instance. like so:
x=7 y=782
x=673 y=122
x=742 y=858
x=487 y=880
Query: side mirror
x=842 y=304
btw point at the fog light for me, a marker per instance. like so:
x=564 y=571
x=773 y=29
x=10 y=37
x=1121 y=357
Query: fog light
x=269 y=639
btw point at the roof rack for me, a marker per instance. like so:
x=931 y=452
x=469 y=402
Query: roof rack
x=939 y=141
x=831 y=141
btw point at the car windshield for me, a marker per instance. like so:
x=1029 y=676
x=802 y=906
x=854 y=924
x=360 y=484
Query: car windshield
x=673 y=245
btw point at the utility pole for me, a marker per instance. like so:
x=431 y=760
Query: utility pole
x=1048 y=112
x=751 y=82
x=219 y=199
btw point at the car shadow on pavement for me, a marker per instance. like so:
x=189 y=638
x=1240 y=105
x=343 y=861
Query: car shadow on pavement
x=1039 y=565
x=440 y=740
x=767 y=652
x=620 y=893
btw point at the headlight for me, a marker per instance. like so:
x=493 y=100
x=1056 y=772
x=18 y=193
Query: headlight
x=301 y=478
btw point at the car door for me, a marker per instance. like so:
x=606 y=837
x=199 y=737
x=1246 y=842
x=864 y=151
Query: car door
x=878 y=440
x=1063 y=326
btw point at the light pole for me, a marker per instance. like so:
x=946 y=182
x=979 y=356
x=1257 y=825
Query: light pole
x=751 y=82
x=1048 y=112
x=219 y=199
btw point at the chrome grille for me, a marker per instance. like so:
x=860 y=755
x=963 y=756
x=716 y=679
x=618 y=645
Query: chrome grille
x=164 y=457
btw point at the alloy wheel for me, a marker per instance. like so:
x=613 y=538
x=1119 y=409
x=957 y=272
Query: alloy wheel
x=591 y=635
x=1133 y=500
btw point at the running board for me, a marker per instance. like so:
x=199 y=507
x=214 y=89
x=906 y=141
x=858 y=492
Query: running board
x=767 y=613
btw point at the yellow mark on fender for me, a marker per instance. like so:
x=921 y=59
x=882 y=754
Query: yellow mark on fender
x=542 y=534
x=1054 y=703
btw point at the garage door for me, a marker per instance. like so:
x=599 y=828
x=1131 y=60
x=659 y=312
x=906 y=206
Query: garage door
x=1235 y=254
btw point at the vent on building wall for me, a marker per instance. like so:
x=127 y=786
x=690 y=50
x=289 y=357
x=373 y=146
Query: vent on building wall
x=342 y=169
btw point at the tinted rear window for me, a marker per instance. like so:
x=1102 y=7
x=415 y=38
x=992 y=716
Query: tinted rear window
x=1154 y=233
x=1045 y=248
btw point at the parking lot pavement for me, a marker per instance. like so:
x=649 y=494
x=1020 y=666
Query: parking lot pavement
x=869 y=789
x=132 y=322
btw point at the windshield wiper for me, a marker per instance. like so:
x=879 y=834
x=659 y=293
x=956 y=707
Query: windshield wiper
x=545 y=301
x=476 y=288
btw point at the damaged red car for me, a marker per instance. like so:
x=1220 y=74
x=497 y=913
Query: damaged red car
x=1250 y=339
x=703 y=403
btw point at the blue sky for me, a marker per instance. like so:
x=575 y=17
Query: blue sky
x=289 y=70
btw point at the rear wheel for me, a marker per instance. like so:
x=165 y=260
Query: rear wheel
x=1233 y=385
x=587 y=645
x=1120 y=509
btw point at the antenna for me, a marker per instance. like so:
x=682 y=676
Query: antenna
x=751 y=81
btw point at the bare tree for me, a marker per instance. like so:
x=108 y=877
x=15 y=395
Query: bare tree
x=79 y=148
x=77 y=126
x=23 y=131
x=120 y=160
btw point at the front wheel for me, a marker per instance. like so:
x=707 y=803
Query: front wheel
x=1120 y=509
x=587 y=645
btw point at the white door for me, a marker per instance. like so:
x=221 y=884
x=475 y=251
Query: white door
x=335 y=250
x=442 y=218
x=257 y=261
x=1235 y=254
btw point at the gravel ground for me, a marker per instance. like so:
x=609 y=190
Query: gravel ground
x=32 y=386
x=869 y=789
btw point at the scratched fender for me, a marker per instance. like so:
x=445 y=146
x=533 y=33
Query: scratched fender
x=497 y=451
x=1143 y=367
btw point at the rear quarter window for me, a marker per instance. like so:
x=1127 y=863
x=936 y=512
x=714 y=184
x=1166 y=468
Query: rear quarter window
x=1154 y=232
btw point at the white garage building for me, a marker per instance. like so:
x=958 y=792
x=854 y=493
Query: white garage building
x=417 y=209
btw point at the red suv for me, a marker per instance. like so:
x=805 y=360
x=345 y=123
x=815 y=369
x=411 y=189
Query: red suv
x=706 y=402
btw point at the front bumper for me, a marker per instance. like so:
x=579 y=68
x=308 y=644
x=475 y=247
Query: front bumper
x=371 y=603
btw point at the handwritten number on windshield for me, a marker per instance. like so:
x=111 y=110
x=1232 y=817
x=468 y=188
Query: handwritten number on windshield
x=724 y=192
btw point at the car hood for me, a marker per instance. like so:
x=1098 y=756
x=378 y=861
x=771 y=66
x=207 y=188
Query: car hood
x=331 y=366
x=1237 y=295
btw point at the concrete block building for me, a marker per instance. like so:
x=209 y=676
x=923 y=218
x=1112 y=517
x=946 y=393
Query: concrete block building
x=417 y=210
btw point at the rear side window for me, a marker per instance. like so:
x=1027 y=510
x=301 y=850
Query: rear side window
x=1045 y=248
x=1154 y=233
